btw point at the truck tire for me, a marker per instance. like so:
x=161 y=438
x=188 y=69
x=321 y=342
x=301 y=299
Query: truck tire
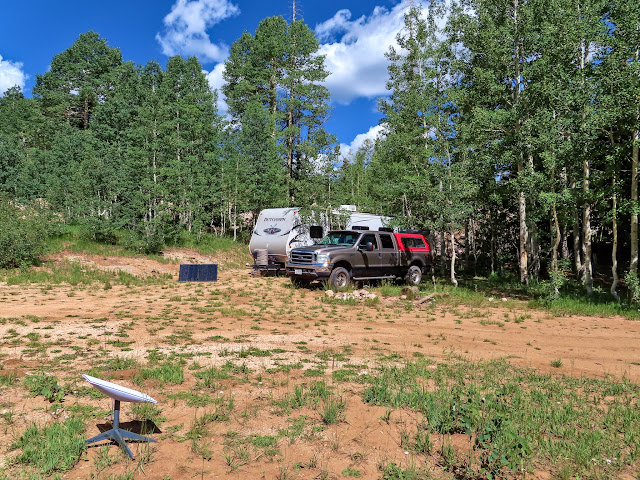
x=413 y=276
x=300 y=282
x=340 y=278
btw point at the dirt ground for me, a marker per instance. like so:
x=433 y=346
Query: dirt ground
x=239 y=318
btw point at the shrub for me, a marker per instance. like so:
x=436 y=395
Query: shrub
x=633 y=285
x=23 y=234
x=101 y=229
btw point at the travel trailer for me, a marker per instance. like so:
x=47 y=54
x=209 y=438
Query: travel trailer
x=277 y=231
x=367 y=221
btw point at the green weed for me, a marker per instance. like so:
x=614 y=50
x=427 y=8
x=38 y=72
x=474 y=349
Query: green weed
x=45 y=385
x=332 y=410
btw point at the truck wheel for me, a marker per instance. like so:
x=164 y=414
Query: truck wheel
x=300 y=282
x=340 y=278
x=414 y=275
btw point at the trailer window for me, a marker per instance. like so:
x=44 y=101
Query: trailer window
x=386 y=241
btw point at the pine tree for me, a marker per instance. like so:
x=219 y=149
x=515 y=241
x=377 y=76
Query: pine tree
x=80 y=78
x=278 y=68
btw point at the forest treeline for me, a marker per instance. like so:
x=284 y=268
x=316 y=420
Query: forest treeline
x=511 y=131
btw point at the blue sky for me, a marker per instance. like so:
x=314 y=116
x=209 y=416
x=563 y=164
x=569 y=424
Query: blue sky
x=354 y=35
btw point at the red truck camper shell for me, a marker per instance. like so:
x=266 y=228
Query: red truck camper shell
x=412 y=242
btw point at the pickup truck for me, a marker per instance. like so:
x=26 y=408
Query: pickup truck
x=343 y=256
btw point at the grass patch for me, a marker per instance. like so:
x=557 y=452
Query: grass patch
x=74 y=273
x=54 y=448
x=166 y=372
x=572 y=299
x=517 y=419
x=332 y=410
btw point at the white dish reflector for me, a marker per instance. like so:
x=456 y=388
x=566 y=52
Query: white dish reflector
x=118 y=392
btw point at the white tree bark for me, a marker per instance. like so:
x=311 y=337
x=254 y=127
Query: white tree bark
x=453 y=260
x=614 y=250
x=634 y=200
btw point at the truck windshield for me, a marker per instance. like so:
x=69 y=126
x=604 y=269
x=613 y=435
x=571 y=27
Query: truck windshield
x=340 y=238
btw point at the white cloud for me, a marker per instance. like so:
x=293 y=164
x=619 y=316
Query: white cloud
x=355 y=51
x=186 y=29
x=214 y=77
x=11 y=74
x=373 y=133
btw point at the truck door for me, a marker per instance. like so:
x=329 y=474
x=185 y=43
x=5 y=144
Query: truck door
x=369 y=261
x=389 y=261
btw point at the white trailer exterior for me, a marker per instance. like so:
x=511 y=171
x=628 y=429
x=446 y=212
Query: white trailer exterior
x=278 y=230
x=373 y=222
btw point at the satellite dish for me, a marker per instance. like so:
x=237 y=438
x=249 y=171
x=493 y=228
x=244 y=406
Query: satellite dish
x=118 y=392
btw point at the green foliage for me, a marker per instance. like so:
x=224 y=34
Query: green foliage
x=557 y=279
x=8 y=379
x=23 y=234
x=391 y=471
x=633 y=284
x=45 y=385
x=54 y=448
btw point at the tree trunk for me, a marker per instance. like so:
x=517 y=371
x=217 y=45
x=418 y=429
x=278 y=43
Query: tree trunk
x=467 y=243
x=586 y=232
x=534 y=250
x=556 y=243
x=614 y=250
x=443 y=254
x=565 y=241
x=586 y=170
x=453 y=260
x=524 y=234
x=633 y=267
x=85 y=113
x=290 y=160
x=577 y=256
x=443 y=241
x=534 y=245
x=493 y=243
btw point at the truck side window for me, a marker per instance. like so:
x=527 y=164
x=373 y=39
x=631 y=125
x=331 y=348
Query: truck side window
x=418 y=243
x=407 y=242
x=369 y=238
x=385 y=241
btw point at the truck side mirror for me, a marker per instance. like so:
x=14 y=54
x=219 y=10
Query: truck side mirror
x=366 y=247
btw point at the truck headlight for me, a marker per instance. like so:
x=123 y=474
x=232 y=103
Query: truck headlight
x=323 y=259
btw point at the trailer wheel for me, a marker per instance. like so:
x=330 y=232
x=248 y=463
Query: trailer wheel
x=414 y=275
x=300 y=282
x=340 y=278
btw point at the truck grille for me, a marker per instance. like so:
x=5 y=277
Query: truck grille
x=305 y=258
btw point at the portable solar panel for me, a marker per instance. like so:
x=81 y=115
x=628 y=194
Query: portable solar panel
x=198 y=273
